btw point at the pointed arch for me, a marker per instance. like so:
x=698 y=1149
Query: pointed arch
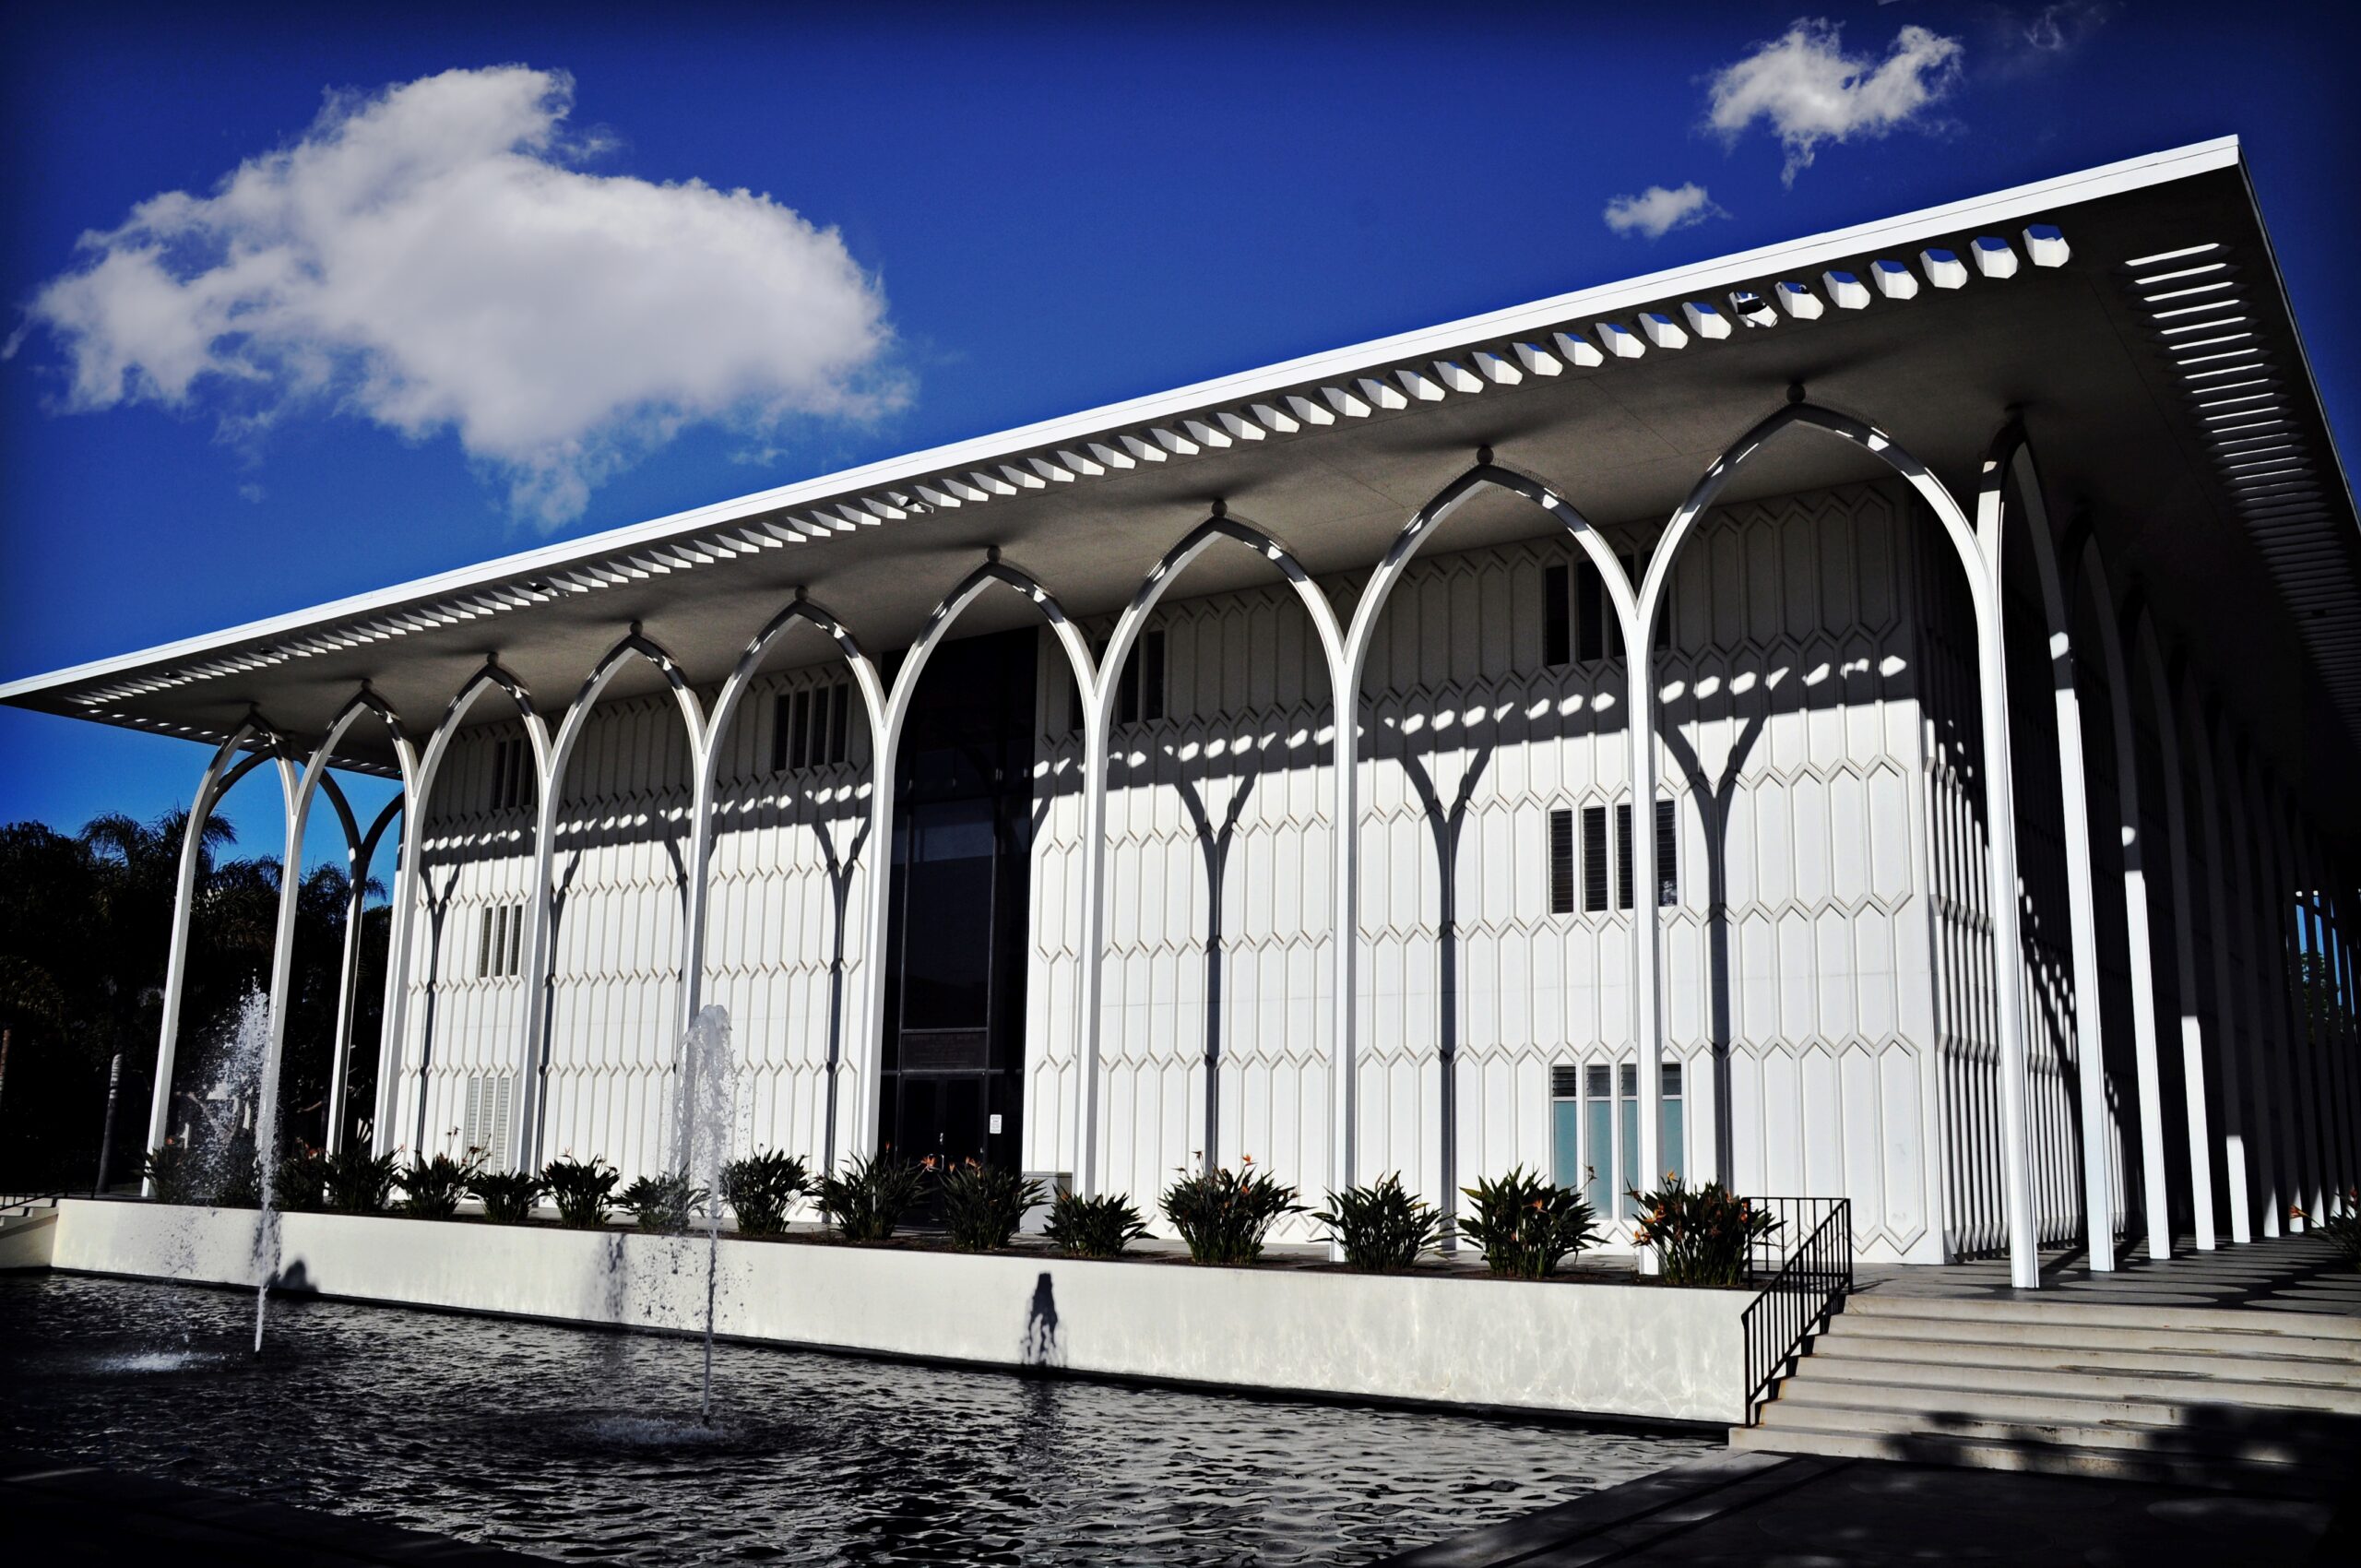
x=1486 y=474
x=533 y=1054
x=291 y=875
x=408 y=876
x=254 y=735
x=885 y=763
x=1979 y=557
x=2010 y=466
x=1098 y=719
x=866 y=679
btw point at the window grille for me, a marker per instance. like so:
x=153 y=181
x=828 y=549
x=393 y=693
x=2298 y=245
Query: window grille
x=508 y=774
x=1139 y=695
x=1594 y=859
x=809 y=727
x=1561 y=863
x=500 y=940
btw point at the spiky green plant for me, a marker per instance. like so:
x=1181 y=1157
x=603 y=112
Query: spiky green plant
x=982 y=1205
x=170 y=1172
x=508 y=1196
x=869 y=1198
x=1093 y=1228
x=1525 y=1224
x=760 y=1188
x=431 y=1188
x=358 y=1182
x=1380 y=1227
x=1225 y=1215
x=581 y=1189
x=667 y=1204
x=1701 y=1235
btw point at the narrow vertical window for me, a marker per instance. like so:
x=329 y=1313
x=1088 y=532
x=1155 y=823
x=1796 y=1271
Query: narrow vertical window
x=1594 y=859
x=1623 y=855
x=1561 y=863
x=1590 y=613
x=1598 y=1137
x=1670 y=1128
x=1565 y=1126
x=799 y=731
x=1668 y=842
x=782 y=726
x=483 y=942
x=1627 y=1083
x=1557 y=616
x=516 y=939
x=1152 y=676
x=839 y=701
x=1139 y=696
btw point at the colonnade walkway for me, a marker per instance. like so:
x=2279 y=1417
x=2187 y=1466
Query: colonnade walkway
x=2302 y=1274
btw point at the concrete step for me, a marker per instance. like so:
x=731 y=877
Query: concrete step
x=1856 y=1325
x=2237 y=1365
x=2230 y=1434
x=1930 y=1396
x=1982 y=1311
x=2046 y=1458
x=1958 y=1377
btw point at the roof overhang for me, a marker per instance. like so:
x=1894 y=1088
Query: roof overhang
x=2202 y=459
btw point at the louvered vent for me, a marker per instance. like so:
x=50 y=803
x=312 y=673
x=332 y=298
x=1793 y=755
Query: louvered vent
x=2199 y=306
x=484 y=1123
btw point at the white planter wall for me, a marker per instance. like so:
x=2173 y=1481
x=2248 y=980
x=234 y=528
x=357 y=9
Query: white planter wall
x=1651 y=1352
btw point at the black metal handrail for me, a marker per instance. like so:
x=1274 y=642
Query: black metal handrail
x=1809 y=1258
x=28 y=1200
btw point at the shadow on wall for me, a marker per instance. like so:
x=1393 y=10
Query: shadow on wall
x=1042 y=1349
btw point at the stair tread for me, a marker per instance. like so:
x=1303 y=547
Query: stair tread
x=2035 y=1360
x=2260 y=1445
x=2248 y=1320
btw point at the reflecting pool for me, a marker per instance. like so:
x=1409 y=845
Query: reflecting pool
x=582 y=1445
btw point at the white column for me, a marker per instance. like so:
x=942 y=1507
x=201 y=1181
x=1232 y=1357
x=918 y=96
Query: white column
x=363 y=854
x=2156 y=1201
x=297 y=789
x=1647 y=934
x=2262 y=1029
x=1097 y=711
x=2192 y=1029
x=218 y=776
x=2231 y=1049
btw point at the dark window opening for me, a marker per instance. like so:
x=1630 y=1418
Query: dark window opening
x=1561 y=863
x=1594 y=859
x=1139 y=695
x=809 y=727
x=1557 y=616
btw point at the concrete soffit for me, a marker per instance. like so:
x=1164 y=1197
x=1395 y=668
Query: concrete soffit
x=2281 y=479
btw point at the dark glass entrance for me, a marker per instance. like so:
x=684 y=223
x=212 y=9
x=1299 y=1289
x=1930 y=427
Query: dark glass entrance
x=962 y=835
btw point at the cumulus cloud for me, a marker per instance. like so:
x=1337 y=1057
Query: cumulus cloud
x=434 y=258
x=1808 y=90
x=1656 y=211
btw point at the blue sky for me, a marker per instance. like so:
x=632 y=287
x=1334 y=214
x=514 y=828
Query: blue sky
x=995 y=218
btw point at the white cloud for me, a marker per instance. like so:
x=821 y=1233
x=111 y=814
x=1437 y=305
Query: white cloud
x=1656 y=211
x=1808 y=90
x=433 y=259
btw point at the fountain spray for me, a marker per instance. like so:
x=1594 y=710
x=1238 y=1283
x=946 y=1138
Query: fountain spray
x=703 y=1121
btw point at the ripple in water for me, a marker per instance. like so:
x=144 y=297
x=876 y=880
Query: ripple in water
x=581 y=1443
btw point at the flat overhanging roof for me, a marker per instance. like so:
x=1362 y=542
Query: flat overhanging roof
x=2133 y=312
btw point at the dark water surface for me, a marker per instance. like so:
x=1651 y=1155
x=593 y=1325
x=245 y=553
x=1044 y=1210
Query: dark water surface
x=584 y=1444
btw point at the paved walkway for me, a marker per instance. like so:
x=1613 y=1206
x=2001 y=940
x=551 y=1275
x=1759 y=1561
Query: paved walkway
x=56 y=1514
x=2300 y=1274
x=1765 y=1511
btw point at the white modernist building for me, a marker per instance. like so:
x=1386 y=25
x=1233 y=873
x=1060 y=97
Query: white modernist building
x=1869 y=717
